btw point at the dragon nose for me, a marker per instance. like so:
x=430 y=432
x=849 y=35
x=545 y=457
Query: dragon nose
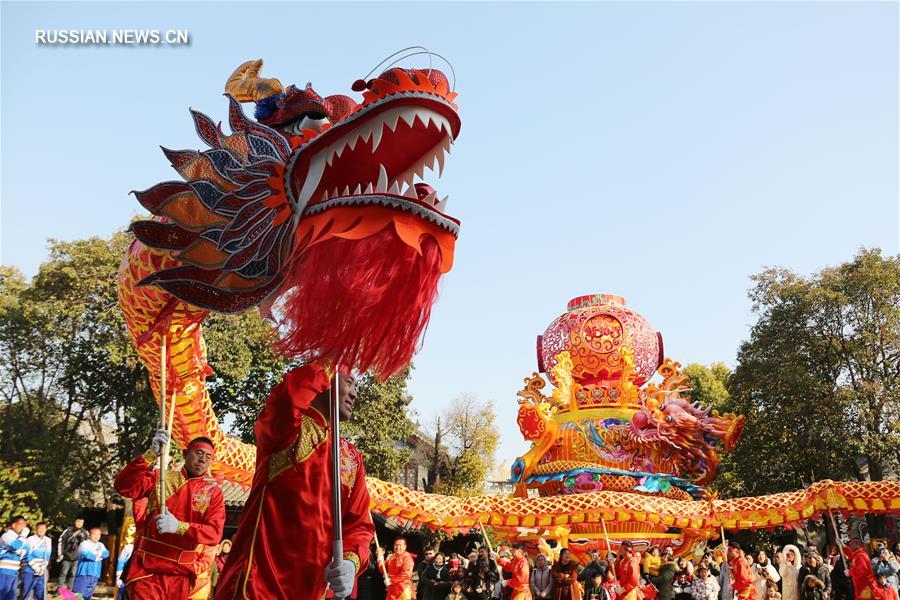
x=639 y=420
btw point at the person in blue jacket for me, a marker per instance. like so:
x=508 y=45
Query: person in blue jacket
x=91 y=553
x=36 y=563
x=12 y=550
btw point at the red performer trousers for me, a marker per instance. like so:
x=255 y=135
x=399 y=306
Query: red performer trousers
x=156 y=587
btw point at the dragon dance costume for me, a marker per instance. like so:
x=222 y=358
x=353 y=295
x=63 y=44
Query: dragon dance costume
x=399 y=569
x=520 y=582
x=281 y=546
x=742 y=577
x=168 y=565
x=313 y=206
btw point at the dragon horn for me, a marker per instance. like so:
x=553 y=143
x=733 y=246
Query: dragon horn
x=245 y=84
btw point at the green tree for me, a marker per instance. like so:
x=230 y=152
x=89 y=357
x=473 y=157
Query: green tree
x=469 y=429
x=709 y=385
x=76 y=402
x=15 y=496
x=818 y=378
x=380 y=424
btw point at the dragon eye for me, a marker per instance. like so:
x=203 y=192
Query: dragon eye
x=669 y=419
x=314 y=121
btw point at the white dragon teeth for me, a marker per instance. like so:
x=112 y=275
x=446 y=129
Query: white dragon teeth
x=442 y=205
x=382 y=184
x=376 y=139
x=398 y=185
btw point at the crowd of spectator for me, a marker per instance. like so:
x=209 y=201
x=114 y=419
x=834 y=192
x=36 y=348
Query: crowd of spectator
x=786 y=573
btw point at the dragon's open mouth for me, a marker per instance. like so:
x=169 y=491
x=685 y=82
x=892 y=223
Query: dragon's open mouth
x=375 y=156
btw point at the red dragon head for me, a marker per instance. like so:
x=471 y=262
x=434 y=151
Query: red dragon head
x=684 y=430
x=315 y=205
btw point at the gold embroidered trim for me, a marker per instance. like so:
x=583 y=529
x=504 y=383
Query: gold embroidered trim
x=150 y=456
x=174 y=480
x=182 y=528
x=311 y=435
x=354 y=558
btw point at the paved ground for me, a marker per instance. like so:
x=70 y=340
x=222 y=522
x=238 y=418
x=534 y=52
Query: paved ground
x=103 y=592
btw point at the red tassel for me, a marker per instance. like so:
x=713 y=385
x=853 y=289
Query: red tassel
x=362 y=303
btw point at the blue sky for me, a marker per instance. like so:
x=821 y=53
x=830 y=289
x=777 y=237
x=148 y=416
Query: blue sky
x=662 y=151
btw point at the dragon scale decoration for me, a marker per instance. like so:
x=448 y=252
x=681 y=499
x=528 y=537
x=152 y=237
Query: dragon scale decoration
x=312 y=207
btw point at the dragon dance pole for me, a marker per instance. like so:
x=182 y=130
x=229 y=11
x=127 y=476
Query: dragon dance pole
x=605 y=536
x=378 y=547
x=337 y=552
x=484 y=535
x=160 y=481
x=837 y=537
x=163 y=492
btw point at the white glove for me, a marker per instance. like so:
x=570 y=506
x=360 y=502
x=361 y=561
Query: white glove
x=118 y=583
x=24 y=533
x=159 y=441
x=21 y=552
x=387 y=581
x=167 y=523
x=341 y=576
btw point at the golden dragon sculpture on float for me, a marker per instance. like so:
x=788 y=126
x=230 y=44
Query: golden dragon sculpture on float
x=317 y=196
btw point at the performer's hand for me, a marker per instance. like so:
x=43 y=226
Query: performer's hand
x=341 y=575
x=380 y=554
x=387 y=581
x=166 y=523
x=159 y=441
x=59 y=559
x=118 y=583
x=24 y=533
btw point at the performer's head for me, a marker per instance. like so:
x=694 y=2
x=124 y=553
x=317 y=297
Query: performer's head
x=40 y=529
x=198 y=456
x=18 y=523
x=626 y=549
x=734 y=550
x=347 y=397
x=95 y=534
x=400 y=545
x=518 y=549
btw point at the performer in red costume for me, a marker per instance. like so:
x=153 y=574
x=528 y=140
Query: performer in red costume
x=628 y=571
x=864 y=587
x=399 y=568
x=283 y=545
x=520 y=582
x=742 y=578
x=169 y=548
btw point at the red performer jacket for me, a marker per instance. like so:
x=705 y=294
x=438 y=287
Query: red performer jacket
x=520 y=580
x=863 y=576
x=628 y=572
x=195 y=501
x=284 y=539
x=740 y=572
x=399 y=570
